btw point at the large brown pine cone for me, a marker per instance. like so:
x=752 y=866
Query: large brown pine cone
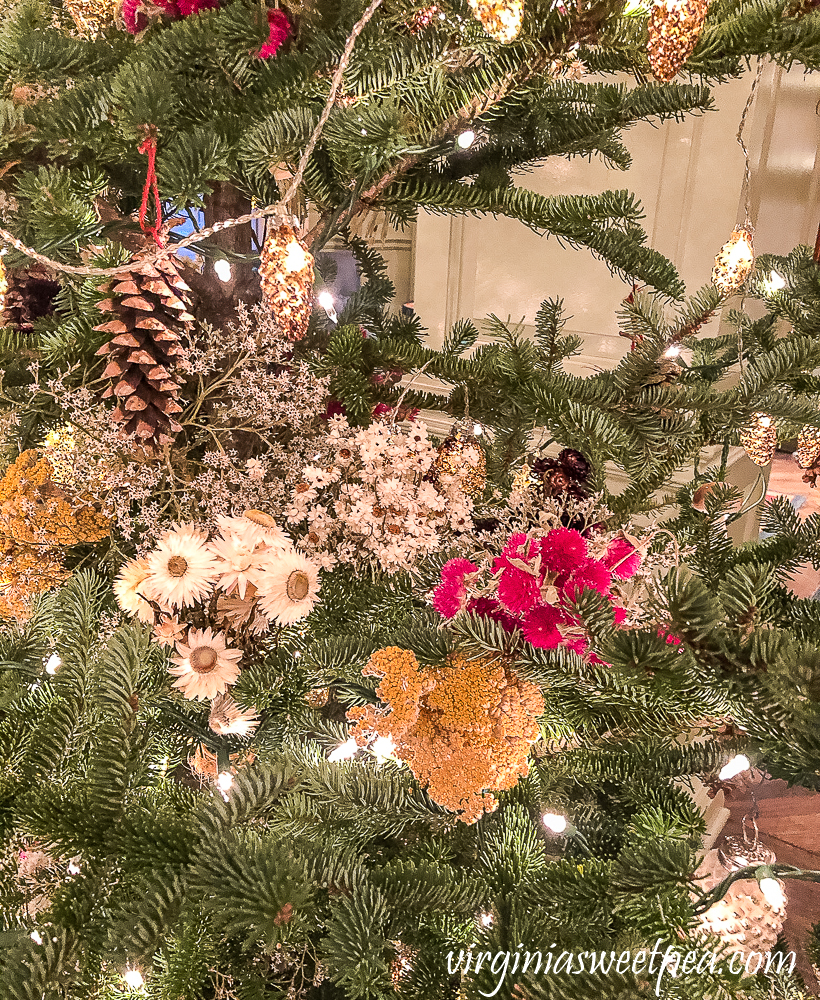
x=151 y=319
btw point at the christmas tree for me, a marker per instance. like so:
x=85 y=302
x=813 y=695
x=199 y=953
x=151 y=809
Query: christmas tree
x=296 y=701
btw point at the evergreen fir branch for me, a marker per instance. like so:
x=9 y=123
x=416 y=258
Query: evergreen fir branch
x=426 y=887
x=253 y=794
x=355 y=948
x=254 y=890
x=33 y=971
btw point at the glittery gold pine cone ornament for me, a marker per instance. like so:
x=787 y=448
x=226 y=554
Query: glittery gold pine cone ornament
x=674 y=29
x=807 y=454
x=461 y=460
x=150 y=321
x=92 y=16
x=286 y=272
x=501 y=19
x=759 y=438
x=744 y=919
x=734 y=261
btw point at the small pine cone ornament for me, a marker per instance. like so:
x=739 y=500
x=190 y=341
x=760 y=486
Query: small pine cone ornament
x=461 y=460
x=674 y=29
x=501 y=19
x=807 y=455
x=30 y=293
x=759 y=438
x=286 y=272
x=151 y=319
x=743 y=919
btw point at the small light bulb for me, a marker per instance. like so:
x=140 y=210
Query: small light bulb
x=486 y=920
x=733 y=767
x=466 y=139
x=53 y=664
x=776 y=282
x=772 y=892
x=133 y=979
x=73 y=868
x=224 y=780
x=672 y=352
x=36 y=937
x=554 y=822
x=344 y=751
x=326 y=302
x=222 y=268
x=383 y=748
x=478 y=430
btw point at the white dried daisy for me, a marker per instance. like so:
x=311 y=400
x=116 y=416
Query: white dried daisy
x=128 y=589
x=237 y=563
x=182 y=568
x=205 y=666
x=228 y=717
x=288 y=587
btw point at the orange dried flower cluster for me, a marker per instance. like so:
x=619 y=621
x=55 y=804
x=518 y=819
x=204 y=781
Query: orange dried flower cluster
x=38 y=518
x=463 y=727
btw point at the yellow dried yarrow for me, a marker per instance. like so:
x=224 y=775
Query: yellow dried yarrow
x=464 y=727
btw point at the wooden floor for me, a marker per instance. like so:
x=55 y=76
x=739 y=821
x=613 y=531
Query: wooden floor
x=789 y=820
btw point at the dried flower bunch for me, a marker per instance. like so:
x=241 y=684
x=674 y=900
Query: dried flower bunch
x=41 y=515
x=367 y=499
x=250 y=421
x=210 y=599
x=464 y=727
x=531 y=586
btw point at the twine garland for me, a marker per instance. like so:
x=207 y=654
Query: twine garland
x=218 y=227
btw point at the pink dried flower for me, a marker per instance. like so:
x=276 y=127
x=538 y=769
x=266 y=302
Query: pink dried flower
x=562 y=549
x=592 y=575
x=518 y=590
x=541 y=627
x=516 y=548
x=486 y=607
x=622 y=558
x=577 y=643
x=381 y=411
x=449 y=596
x=279 y=31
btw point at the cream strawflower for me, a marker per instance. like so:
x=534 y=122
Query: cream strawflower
x=228 y=717
x=288 y=587
x=263 y=529
x=128 y=588
x=205 y=666
x=168 y=632
x=236 y=563
x=182 y=567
